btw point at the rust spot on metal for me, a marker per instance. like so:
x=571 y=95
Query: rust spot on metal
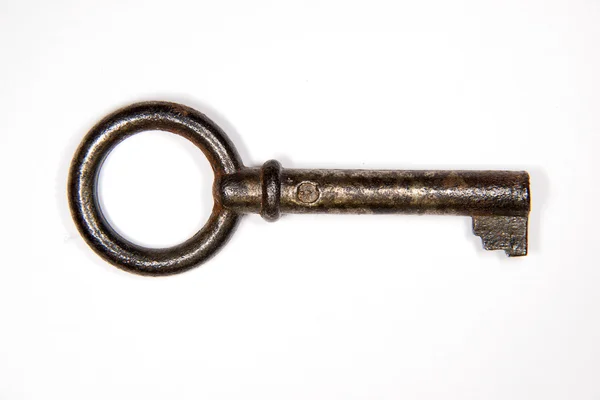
x=454 y=180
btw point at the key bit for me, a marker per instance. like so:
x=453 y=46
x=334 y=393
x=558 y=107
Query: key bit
x=497 y=201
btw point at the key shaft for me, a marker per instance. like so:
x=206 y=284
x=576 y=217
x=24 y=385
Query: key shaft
x=498 y=201
x=272 y=190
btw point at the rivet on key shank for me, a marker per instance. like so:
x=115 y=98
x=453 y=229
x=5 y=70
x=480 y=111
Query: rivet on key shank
x=307 y=192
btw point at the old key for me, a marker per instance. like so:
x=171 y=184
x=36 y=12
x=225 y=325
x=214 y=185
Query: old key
x=498 y=201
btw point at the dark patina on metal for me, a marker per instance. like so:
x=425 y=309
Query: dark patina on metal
x=498 y=201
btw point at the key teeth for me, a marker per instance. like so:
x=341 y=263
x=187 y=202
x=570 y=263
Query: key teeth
x=502 y=233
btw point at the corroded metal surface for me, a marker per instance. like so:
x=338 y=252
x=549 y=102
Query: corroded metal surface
x=83 y=178
x=498 y=201
x=383 y=191
x=501 y=232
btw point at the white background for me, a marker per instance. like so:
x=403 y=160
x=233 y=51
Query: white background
x=344 y=307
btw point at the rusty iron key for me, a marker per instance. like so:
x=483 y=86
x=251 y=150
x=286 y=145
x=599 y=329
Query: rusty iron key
x=498 y=201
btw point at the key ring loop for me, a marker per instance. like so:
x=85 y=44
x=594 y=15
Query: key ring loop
x=83 y=183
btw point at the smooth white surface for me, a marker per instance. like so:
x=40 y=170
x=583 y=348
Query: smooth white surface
x=345 y=307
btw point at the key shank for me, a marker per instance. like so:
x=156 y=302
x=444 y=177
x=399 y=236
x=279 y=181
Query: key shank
x=498 y=201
